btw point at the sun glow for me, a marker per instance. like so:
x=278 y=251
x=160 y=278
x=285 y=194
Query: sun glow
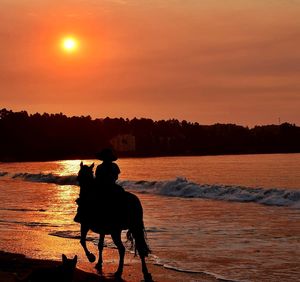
x=69 y=44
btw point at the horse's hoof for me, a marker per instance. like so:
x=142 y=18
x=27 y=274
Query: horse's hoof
x=118 y=274
x=98 y=266
x=148 y=277
x=91 y=257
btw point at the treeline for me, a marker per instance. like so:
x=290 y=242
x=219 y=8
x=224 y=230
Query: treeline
x=56 y=136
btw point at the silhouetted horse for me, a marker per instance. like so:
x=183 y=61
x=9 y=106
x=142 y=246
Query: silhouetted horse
x=111 y=216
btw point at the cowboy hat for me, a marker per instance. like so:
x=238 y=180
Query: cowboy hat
x=106 y=155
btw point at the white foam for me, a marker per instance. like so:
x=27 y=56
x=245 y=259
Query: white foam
x=47 y=178
x=181 y=187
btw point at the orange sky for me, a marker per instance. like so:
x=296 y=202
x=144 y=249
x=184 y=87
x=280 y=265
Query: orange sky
x=208 y=61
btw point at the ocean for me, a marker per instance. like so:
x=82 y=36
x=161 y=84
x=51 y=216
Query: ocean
x=235 y=217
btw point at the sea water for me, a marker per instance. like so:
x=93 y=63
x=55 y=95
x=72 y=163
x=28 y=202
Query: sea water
x=236 y=217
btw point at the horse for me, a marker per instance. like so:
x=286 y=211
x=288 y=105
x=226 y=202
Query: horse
x=127 y=215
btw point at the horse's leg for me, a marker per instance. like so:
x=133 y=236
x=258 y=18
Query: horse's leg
x=100 y=248
x=83 y=232
x=143 y=251
x=146 y=273
x=116 y=236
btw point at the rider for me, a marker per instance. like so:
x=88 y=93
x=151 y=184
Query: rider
x=107 y=172
x=109 y=195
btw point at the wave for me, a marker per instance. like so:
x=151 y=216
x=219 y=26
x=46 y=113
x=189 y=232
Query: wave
x=47 y=178
x=181 y=187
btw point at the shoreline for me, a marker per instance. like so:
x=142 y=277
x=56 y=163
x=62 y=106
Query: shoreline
x=14 y=266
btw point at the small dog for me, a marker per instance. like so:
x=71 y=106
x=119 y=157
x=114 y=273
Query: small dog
x=63 y=272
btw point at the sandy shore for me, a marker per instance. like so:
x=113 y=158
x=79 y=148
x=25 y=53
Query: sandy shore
x=18 y=265
x=43 y=250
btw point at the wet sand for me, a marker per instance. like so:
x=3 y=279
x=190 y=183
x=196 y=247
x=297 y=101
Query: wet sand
x=18 y=265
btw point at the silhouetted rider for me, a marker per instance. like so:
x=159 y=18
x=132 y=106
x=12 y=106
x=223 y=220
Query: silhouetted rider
x=107 y=173
x=109 y=195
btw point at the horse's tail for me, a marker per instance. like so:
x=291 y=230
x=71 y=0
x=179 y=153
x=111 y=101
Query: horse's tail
x=137 y=233
x=138 y=239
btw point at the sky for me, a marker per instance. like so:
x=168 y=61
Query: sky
x=206 y=61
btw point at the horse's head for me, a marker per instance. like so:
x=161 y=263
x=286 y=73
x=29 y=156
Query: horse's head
x=85 y=174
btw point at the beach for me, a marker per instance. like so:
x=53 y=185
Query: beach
x=44 y=251
x=14 y=266
x=232 y=218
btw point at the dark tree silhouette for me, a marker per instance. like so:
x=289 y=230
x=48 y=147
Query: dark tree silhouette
x=46 y=136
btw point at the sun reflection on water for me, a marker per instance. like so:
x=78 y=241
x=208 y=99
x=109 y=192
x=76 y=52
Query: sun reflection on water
x=69 y=167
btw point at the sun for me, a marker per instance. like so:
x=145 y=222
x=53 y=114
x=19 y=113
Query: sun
x=69 y=44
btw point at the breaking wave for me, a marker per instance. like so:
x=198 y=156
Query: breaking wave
x=181 y=187
x=46 y=178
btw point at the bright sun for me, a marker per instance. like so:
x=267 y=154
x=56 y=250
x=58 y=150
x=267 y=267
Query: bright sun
x=69 y=44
